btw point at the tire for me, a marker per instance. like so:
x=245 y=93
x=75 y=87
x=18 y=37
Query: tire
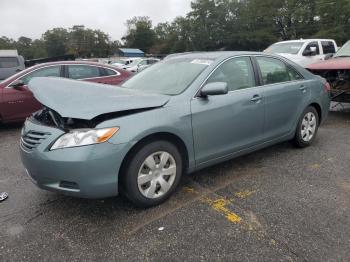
x=148 y=183
x=307 y=128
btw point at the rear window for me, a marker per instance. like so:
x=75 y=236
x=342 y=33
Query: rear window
x=328 y=47
x=8 y=62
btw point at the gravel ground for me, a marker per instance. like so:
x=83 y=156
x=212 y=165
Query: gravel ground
x=278 y=204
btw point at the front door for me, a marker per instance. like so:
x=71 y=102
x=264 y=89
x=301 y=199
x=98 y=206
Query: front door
x=225 y=124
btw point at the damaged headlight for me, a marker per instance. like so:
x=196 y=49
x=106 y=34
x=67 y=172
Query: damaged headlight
x=84 y=137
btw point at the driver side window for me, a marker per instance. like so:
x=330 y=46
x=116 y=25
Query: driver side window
x=237 y=73
x=43 y=72
x=308 y=48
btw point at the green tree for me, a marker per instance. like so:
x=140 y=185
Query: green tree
x=7 y=43
x=139 y=34
x=56 y=41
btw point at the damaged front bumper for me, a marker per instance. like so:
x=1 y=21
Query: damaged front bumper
x=86 y=171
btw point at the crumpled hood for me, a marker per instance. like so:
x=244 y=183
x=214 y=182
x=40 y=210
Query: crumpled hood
x=86 y=100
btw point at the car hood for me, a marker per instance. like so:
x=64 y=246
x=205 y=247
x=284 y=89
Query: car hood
x=339 y=63
x=84 y=100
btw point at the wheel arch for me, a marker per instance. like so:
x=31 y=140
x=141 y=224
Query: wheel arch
x=318 y=109
x=167 y=136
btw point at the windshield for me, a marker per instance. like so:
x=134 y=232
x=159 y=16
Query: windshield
x=344 y=51
x=285 y=48
x=169 y=77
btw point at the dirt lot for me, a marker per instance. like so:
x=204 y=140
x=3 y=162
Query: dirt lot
x=279 y=204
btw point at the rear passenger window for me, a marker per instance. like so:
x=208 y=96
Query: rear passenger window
x=237 y=73
x=328 y=47
x=83 y=71
x=275 y=71
x=107 y=72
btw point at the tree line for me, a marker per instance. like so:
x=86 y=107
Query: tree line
x=210 y=25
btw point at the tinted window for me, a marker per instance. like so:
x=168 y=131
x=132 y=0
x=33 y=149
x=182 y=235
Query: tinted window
x=43 y=72
x=275 y=71
x=312 y=44
x=8 y=62
x=83 y=71
x=107 y=72
x=237 y=73
x=328 y=47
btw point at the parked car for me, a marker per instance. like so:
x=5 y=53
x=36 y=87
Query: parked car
x=125 y=61
x=17 y=102
x=305 y=51
x=10 y=63
x=139 y=65
x=337 y=72
x=185 y=113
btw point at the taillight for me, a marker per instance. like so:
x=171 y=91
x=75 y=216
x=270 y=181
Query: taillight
x=327 y=87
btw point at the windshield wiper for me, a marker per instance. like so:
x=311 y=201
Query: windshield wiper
x=341 y=56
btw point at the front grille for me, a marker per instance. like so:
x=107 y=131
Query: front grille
x=33 y=139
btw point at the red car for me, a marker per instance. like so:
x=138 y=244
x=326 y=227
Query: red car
x=17 y=102
x=337 y=72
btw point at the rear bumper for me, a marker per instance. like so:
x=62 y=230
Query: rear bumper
x=86 y=172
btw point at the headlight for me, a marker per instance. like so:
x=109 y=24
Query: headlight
x=84 y=137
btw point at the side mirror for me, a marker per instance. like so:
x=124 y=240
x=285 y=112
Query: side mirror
x=17 y=84
x=214 y=89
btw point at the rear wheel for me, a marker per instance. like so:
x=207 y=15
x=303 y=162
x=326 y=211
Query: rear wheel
x=307 y=128
x=152 y=174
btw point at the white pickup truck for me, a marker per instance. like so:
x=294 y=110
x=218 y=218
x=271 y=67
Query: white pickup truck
x=305 y=51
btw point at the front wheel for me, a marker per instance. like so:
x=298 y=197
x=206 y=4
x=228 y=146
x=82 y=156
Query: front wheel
x=152 y=174
x=307 y=128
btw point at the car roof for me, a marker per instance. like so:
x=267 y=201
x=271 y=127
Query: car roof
x=72 y=63
x=211 y=55
x=303 y=40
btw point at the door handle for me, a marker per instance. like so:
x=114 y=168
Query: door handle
x=256 y=98
x=302 y=88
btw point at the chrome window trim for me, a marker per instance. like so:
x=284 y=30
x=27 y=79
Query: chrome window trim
x=9 y=85
x=116 y=71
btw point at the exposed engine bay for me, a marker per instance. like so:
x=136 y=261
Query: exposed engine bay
x=51 y=118
x=339 y=81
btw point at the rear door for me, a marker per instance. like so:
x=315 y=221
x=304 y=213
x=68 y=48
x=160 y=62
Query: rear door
x=224 y=124
x=286 y=94
x=19 y=102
